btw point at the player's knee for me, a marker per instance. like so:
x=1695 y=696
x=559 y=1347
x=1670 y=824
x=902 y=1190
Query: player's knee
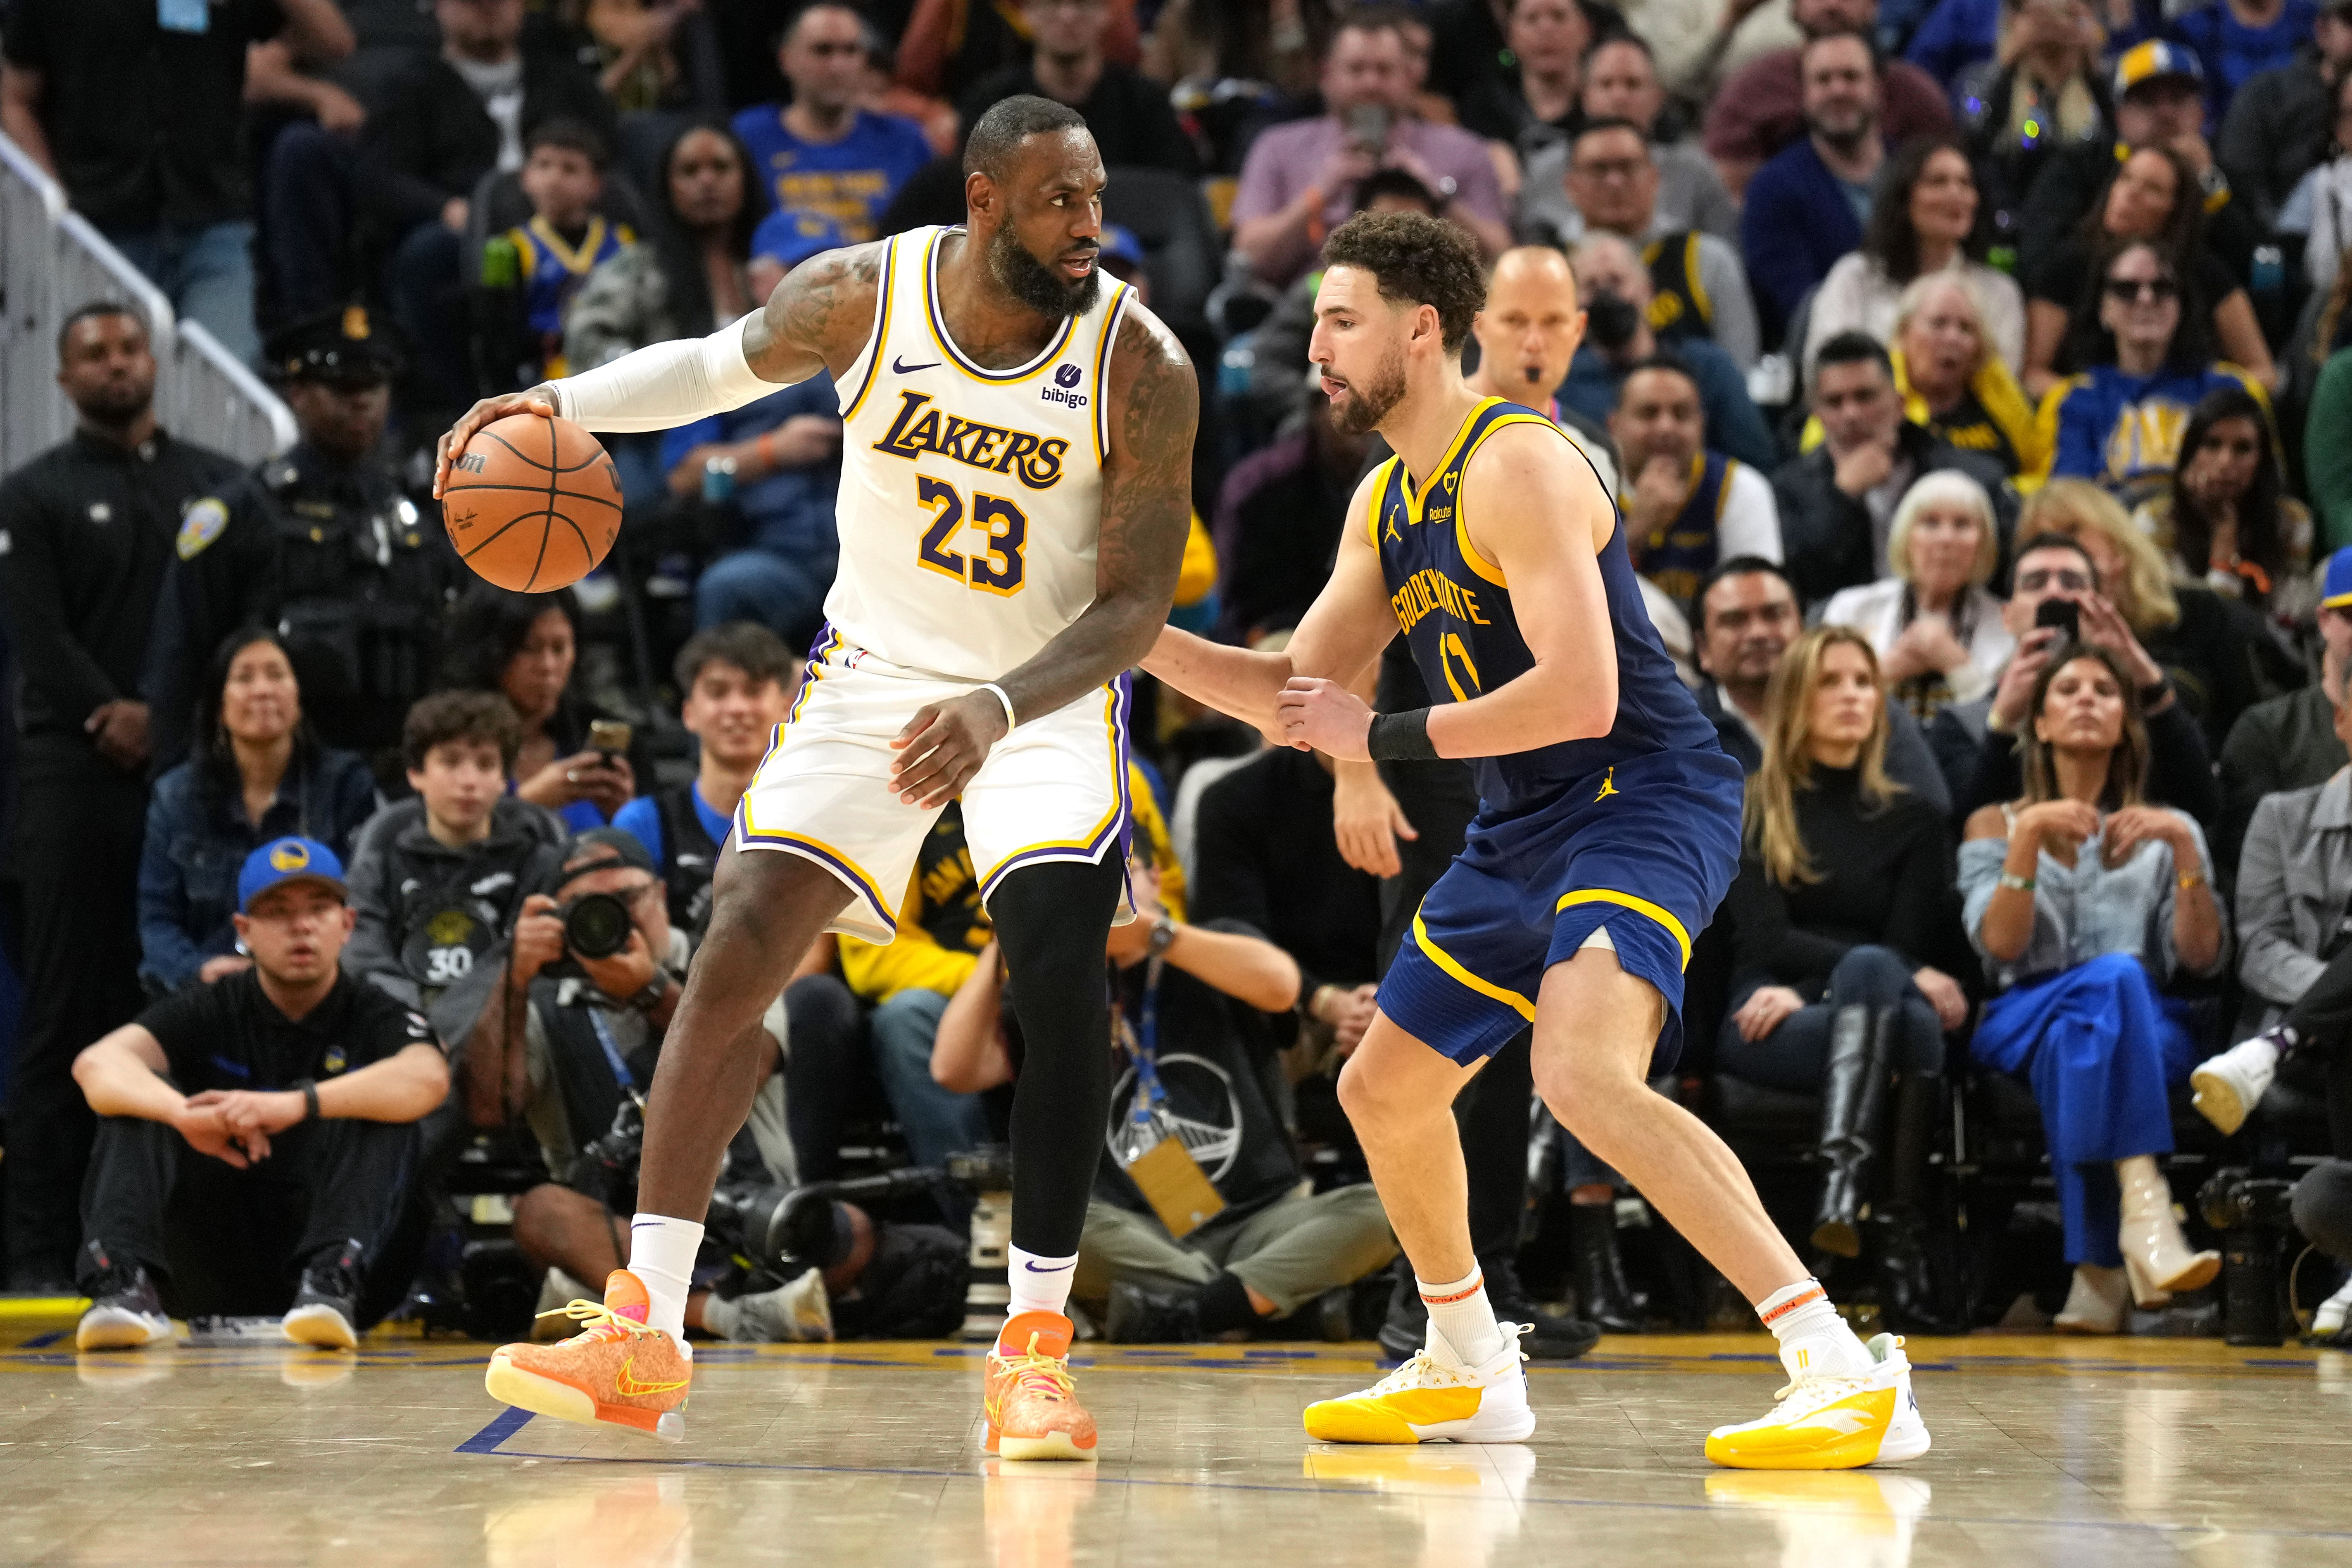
x=1373 y=1098
x=1579 y=1085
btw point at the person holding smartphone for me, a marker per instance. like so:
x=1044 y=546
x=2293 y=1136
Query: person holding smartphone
x=577 y=760
x=2056 y=598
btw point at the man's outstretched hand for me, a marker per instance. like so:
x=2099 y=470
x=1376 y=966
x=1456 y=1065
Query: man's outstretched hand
x=1316 y=715
x=538 y=400
x=943 y=746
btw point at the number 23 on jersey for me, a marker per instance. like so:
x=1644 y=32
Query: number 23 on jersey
x=997 y=568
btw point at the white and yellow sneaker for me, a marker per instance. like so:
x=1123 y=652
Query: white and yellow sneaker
x=1426 y=1400
x=1832 y=1423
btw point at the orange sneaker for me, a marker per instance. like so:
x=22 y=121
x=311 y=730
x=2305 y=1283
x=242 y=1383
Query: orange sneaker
x=616 y=1370
x=1033 y=1408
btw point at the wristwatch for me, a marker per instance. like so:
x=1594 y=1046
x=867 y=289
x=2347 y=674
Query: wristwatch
x=1163 y=935
x=648 y=1000
x=2155 y=693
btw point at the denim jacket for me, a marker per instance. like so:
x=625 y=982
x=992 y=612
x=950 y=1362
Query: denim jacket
x=188 y=864
x=2087 y=910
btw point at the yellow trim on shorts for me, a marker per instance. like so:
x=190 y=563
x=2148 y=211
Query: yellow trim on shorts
x=1118 y=797
x=1445 y=961
x=811 y=673
x=1638 y=905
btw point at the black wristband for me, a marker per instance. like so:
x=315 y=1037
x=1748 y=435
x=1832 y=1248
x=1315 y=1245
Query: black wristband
x=309 y=1088
x=2149 y=695
x=1401 y=738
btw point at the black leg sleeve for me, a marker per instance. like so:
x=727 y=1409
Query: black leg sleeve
x=1052 y=922
x=133 y=1165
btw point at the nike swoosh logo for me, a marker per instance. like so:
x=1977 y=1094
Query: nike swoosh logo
x=902 y=368
x=1055 y=1269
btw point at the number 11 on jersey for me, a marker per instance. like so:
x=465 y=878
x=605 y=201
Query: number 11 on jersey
x=998 y=569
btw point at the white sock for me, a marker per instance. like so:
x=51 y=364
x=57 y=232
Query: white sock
x=1813 y=1338
x=1040 y=1284
x=661 y=1255
x=1461 y=1318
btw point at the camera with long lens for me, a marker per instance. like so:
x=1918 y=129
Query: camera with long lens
x=597 y=925
x=2252 y=1214
x=786 y=1230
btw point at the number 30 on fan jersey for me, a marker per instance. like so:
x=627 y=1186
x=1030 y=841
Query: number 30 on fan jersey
x=997 y=570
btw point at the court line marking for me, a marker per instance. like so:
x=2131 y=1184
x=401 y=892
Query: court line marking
x=486 y=1443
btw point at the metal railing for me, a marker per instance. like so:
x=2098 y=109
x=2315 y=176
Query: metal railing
x=51 y=261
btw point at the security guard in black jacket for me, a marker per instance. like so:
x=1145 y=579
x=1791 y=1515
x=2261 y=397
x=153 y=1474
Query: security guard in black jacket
x=86 y=530
x=323 y=544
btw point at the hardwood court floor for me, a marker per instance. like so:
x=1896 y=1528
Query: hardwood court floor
x=2047 y=1451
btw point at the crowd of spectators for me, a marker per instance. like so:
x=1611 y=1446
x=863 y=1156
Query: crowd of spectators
x=1974 y=377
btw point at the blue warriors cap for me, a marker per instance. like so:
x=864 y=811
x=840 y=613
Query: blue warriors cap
x=792 y=237
x=284 y=861
x=2336 y=588
x=2146 y=62
x=1120 y=244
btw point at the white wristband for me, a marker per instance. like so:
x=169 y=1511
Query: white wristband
x=665 y=384
x=992 y=686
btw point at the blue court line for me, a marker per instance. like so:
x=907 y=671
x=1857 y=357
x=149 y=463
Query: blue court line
x=503 y=1424
x=511 y=1421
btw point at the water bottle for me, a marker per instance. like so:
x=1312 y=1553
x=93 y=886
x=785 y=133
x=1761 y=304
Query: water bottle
x=501 y=263
x=1236 y=366
x=717 y=480
x=2269 y=269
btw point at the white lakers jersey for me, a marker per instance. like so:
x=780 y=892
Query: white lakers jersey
x=971 y=499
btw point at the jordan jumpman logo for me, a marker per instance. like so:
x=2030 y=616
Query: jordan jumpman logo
x=1608 y=786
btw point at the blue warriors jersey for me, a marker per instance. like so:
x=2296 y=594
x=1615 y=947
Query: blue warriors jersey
x=553 y=269
x=1679 y=554
x=1454 y=607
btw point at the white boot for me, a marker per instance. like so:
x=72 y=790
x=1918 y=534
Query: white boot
x=2330 y=1318
x=2094 y=1301
x=2156 y=1255
x=2230 y=1085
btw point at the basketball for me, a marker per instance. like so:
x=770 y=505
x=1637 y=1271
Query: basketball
x=532 y=504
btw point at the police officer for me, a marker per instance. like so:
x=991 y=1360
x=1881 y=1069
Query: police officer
x=322 y=544
x=86 y=531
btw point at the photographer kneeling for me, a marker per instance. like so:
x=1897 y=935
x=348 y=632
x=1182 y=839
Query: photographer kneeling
x=596 y=974
x=301 y=1089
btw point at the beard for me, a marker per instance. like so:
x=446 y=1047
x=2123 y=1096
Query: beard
x=1844 y=137
x=1036 y=286
x=114 y=405
x=1369 y=401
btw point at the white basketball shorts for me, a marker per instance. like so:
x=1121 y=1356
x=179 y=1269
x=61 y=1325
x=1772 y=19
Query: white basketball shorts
x=1053 y=790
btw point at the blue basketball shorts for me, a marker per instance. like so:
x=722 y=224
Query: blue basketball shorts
x=1647 y=849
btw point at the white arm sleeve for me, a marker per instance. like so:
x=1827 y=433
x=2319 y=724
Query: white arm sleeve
x=665 y=384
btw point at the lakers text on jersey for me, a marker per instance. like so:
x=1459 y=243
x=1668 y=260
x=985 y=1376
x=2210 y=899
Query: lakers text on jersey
x=970 y=501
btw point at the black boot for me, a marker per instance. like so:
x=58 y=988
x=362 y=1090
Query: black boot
x=1853 y=1097
x=1602 y=1296
x=1556 y=1337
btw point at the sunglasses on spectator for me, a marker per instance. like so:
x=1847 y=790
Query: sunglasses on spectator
x=2127 y=290
x=2052 y=577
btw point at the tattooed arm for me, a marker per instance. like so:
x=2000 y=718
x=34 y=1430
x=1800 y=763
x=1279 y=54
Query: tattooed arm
x=819 y=319
x=1147 y=510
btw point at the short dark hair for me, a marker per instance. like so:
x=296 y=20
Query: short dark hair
x=570 y=134
x=1417 y=260
x=1852 y=347
x=2026 y=547
x=1393 y=183
x=997 y=135
x=96 y=310
x=1607 y=122
x=483 y=718
x=792 y=20
x=1869 y=46
x=1664 y=360
x=1737 y=566
x=1375 y=18
x=1627 y=35
x=746 y=645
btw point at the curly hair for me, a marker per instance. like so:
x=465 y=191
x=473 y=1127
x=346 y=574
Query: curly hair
x=1416 y=260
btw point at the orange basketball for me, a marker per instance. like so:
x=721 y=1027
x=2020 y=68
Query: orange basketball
x=532 y=504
